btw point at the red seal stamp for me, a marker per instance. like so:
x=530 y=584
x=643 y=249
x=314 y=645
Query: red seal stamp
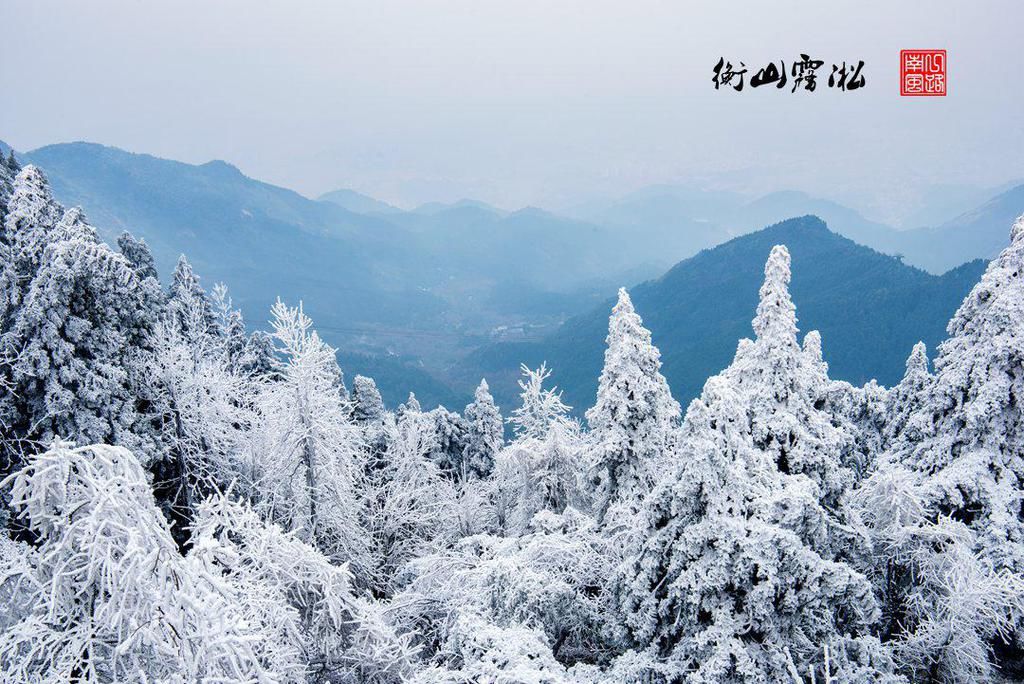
x=922 y=73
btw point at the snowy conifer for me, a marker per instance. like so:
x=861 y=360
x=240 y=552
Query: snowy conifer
x=188 y=304
x=136 y=251
x=486 y=433
x=411 y=406
x=75 y=337
x=967 y=431
x=634 y=420
x=367 y=404
x=452 y=431
x=32 y=215
x=258 y=359
x=902 y=400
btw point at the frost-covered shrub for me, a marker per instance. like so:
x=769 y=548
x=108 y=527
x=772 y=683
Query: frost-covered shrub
x=111 y=598
x=295 y=593
x=480 y=651
x=944 y=604
x=545 y=579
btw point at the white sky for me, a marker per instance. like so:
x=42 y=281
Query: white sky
x=521 y=102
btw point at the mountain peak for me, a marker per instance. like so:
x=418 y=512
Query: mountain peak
x=808 y=223
x=221 y=167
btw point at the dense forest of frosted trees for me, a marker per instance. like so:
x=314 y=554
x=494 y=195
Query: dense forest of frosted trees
x=187 y=501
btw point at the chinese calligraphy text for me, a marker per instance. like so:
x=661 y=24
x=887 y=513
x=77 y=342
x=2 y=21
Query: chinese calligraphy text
x=802 y=74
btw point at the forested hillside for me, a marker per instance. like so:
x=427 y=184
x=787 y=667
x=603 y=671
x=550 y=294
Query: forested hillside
x=187 y=500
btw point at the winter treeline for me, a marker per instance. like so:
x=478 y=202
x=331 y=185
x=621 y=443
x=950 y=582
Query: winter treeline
x=187 y=501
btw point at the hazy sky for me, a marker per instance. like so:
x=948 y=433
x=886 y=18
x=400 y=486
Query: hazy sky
x=516 y=103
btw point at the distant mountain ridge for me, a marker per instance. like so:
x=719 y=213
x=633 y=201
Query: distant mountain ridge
x=870 y=309
x=358 y=202
x=973 y=233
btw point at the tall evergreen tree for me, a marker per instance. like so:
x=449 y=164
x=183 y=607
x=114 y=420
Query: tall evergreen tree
x=77 y=323
x=486 y=433
x=189 y=306
x=634 y=421
x=367 y=404
x=137 y=252
x=32 y=215
x=966 y=434
x=452 y=432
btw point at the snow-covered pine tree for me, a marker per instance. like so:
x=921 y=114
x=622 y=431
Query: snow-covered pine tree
x=367 y=404
x=258 y=360
x=452 y=431
x=486 y=433
x=77 y=331
x=32 y=215
x=189 y=306
x=136 y=251
x=230 y=326
x=739 y=574
x=411 y=406
x=369 y=413
x=901 y=402
x=966 y=433
x=141 y=260
x=633 y=424
x=785 y=388
x=9 y=169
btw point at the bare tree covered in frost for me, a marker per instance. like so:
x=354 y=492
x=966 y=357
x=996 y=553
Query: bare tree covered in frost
x=305 y=456
x=292 y=591
x=203 y=410
x=541 y=469
x=537 y=588
x=409 y=504
x=943 y=603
